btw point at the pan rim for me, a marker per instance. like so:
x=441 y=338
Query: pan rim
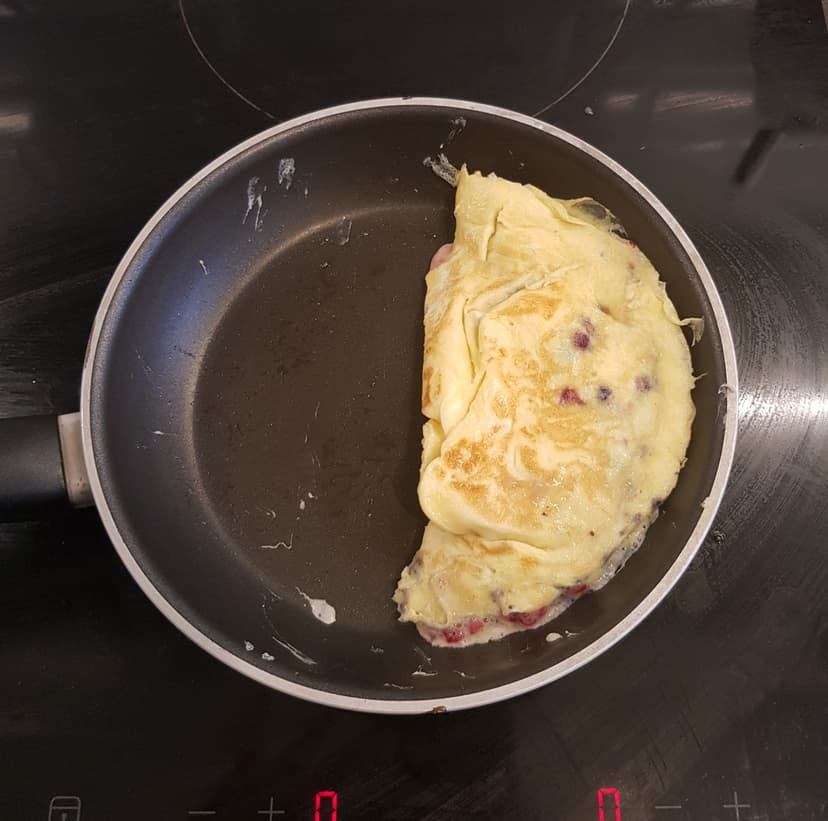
x=494 y=694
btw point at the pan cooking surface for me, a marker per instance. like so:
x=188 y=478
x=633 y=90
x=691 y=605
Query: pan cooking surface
x=307 y=423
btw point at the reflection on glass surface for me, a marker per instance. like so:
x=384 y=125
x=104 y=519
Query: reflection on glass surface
x=15 y=122
x=708 y=99
x=758 y=404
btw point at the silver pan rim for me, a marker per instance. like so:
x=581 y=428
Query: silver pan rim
x=482 y=697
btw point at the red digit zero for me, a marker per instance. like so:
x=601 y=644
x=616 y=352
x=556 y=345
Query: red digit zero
x=324 y=806
x=604 y=808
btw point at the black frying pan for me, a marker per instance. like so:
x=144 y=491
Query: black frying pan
x=250 y=412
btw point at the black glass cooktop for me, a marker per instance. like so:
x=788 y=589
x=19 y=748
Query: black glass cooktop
x=717 y=706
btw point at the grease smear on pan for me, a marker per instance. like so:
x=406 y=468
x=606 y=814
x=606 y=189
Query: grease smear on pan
x=321 y=610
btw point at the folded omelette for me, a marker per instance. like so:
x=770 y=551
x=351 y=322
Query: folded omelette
x=557 y=389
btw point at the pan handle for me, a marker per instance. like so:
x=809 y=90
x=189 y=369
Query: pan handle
x=42 y=469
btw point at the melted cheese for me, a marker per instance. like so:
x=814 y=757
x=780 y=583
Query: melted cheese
x=556 y=386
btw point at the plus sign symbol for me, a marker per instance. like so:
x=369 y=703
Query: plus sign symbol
x=271 y=812
x=736 y=806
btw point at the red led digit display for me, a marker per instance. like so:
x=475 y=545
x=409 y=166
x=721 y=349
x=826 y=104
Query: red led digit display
x=604 y=802
x=324 y=806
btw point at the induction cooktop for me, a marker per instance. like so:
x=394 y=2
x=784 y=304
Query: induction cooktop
x=716 y=707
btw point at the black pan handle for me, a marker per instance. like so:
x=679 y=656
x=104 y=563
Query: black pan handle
x=42 y=469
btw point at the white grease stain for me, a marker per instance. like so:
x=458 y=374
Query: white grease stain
x=397 y=686
x=301 y=504
x=251 y=197
x=463 y=675
x=203 y=267
x=295 y=652
x=321 y=610
x=377 y=650
x=343 y=230
x=550 y=637
x=287 y=168
x=286 y=545
x=268 y=657
x=420 y=672
x=457 y=125
x=310 y=495
x=254 y=199
x=443 y=168
x=248 y=645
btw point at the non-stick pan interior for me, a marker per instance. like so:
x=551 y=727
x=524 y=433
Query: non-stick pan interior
x=255 y=397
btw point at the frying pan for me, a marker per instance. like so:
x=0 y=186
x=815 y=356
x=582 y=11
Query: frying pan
x=250 y=404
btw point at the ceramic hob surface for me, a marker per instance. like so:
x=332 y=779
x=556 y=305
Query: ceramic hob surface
x=715 y=707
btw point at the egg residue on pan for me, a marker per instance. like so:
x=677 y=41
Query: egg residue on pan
x=557 y=389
